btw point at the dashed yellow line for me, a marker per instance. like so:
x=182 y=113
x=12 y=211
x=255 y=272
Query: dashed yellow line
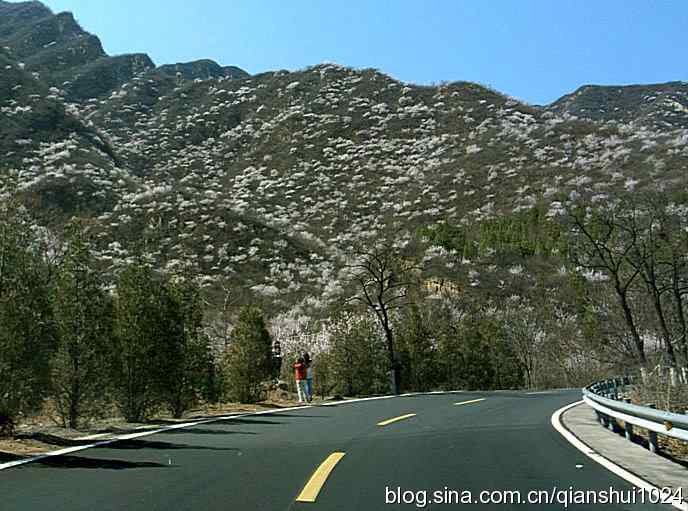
x=315 y=483
x=469 y=402
x=396 y=419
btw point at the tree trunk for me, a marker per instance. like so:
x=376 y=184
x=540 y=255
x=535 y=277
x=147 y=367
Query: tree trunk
x=394 y=384
x=678 y=304
x=657 y=302
x=628 y=316
x=74 y=396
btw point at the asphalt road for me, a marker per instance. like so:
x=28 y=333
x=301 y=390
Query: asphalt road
x=503 y=442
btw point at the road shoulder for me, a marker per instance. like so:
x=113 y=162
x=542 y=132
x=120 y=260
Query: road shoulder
x=580 y=420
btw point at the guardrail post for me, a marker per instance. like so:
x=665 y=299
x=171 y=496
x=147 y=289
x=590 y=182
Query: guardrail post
x=602 y=418
x=653 y=442
x=628 y=427
x=628 y=431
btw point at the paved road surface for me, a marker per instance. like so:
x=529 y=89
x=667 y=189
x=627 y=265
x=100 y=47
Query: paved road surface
x=503 y=442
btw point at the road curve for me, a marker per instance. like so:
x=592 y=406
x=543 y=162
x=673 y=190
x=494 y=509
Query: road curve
x=355 y=456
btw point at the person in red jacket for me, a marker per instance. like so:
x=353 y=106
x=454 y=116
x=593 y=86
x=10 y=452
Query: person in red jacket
x=300 y=376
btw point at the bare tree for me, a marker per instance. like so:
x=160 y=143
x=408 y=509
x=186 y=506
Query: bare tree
x=601 y=241
x=678 y=264
x=383 y=275
x=664 y=264
x=646 y=257
x=525 y=333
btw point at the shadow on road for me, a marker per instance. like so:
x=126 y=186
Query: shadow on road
x=6 y=457
x=79 y=462
x=205 y=431
x=67 y=461
x=247 y=420
x=271 y=414
x=153 y=444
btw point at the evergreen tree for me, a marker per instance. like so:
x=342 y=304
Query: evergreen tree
x=359 y=360
x=418 y=348
x=82 y=312
x=188 y=372
x=148 y=336
x=247 y=360
x=26 y=331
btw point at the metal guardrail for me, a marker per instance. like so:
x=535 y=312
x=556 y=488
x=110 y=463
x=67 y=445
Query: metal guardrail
x=605 y=397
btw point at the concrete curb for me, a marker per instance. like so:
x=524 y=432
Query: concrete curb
x=634 y=479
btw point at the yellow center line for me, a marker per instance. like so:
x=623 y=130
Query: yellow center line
x=315 y=483
x=396 y=419
x=471 y=401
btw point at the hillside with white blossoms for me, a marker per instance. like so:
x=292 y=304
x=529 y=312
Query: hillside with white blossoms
x=264 y=182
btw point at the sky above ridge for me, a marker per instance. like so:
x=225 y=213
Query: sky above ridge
x=533 y=50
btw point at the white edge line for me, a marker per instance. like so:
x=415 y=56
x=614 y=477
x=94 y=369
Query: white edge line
x=606 y=463
x=92 y=437
x=130 y=436
x=347 y=401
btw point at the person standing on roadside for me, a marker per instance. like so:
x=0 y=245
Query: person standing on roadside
x=309 y=376
x=300 y=377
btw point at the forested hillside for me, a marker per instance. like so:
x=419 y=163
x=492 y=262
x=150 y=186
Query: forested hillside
x=511 y=245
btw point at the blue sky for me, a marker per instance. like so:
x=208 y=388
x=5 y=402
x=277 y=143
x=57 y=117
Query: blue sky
x=534 y=50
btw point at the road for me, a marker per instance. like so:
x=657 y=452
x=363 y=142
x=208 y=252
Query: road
x=492 y=441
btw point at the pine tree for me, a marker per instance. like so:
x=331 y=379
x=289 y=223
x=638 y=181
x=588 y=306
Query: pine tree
x=417 y=348
x=359 y=361
x=248 y=358
x=26 y=333
x=82 y=312
x=147 y=334
x=189 y=370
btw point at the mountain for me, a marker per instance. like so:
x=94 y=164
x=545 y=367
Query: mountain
x=202 y=70
x=265 y=181
x=63 y=55
x=663 y=105
x=16 y=16
x=38 y=131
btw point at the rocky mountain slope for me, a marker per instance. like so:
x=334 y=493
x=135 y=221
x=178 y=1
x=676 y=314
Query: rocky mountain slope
x=60 y=53
x=203 y=70
x=663 y=105
x=265 y=181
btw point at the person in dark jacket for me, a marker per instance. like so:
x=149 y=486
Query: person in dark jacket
x=309 y=376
